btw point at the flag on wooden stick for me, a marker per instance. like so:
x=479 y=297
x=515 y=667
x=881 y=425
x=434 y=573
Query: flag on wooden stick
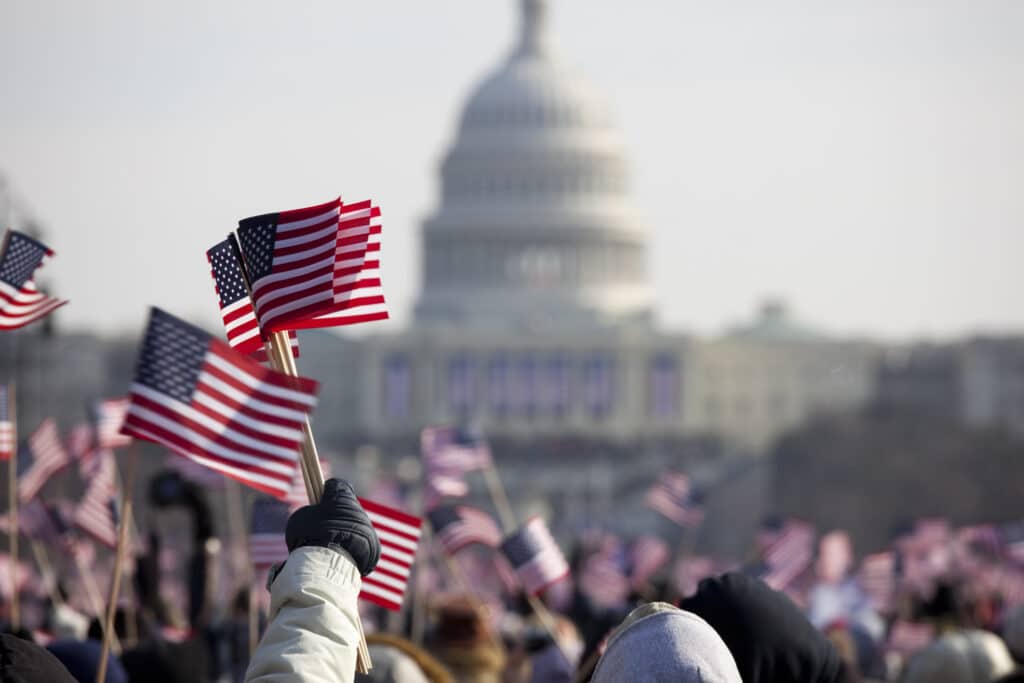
x=306 y=266
x=47 y=458
x=21 y=302
x=236 y=311
x=456 y=526
x=110 y=414
x=399 y=535
x=535 y=557
x=97 y=512
x=671 y=497
x=201 y=399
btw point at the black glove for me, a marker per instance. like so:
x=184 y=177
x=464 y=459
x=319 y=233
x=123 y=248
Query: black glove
x=338 y=519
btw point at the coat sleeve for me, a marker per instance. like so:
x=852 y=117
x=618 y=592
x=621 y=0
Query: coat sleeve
x=313 y=633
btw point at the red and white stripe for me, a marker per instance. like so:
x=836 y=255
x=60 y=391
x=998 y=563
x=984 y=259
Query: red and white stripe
x=94 y=514
x=190 y=470
x=48 y=458
x=243 y=331
x=399 y=535
x=358 y=292
x=326 y=269
x=473 y=526
x=19 y=307
x=110 y=415
x=300 y=284
x=243 y=420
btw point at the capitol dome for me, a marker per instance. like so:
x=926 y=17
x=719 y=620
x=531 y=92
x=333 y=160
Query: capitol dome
x=535 y=228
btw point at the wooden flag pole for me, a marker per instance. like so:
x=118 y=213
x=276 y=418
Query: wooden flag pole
x=46 y=569
x=500 y=498
x=115 y=583
x=280 y=353
x=12 y=506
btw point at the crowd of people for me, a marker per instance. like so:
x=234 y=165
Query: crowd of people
x=476 y=626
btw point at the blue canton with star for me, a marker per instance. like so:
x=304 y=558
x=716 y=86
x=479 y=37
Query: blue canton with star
x=21 y=258
x=227 y=271
x=172 y=356
x=257 y=235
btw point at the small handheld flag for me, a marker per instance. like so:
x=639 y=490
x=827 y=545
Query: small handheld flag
x=399 y=535
x=314 y=267
x=201 y=399
x=535 y=557
x=236 y=311
x=21 y=302
x=48 y=457
x=457 y=526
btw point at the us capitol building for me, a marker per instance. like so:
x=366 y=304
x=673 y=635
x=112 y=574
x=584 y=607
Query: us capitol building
x=536 y=317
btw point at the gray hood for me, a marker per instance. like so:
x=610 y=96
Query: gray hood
x=659 y=642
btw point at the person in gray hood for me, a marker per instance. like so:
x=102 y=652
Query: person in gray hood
x=660 y=643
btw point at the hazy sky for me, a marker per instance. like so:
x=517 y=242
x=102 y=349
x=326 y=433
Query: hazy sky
x=862 y=158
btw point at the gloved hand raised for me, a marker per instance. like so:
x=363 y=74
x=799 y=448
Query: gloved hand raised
x=337 y=520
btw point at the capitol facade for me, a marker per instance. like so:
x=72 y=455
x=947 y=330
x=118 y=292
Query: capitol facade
x=536 y=317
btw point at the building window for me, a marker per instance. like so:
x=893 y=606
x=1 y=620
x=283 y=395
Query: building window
x=556 y=387
x=397 y=387
x=498 y=385
x=461 y=385
x=599 y=385
x=663 y=386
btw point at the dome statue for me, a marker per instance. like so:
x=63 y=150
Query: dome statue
x=535 y=228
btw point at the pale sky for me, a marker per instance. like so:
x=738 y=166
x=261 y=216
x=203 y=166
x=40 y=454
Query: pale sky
x=863 y=159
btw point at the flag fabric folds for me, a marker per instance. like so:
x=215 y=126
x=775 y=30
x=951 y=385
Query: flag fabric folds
x=201 y=399
x=456 y=526
x=448 y=454
x=7 y=444
x=399 y=535
x=110 y=414
x=21 y=302
x=47 y=458
x=535 y=557
x=236 y=311
x=97 y=512
x=191 y=471
x=788 y=554
x=306 y=266
x=670 y=496
x=266 y=532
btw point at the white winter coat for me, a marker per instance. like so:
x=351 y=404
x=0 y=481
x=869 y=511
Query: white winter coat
x=313 y=633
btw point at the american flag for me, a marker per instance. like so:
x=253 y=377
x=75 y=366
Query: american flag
x=314 y=267
x=97 y=512
x=399 y=535
x=535 y=557
x=48 y=457
x=450 y=448
x=789 y=554
x=457 y=526
x=21 y=302
x=670 y=496
x=7 y=444
x=110 y=414
x=199 y=398
x=240 y=325
x=266 y=534
x=878 y=579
